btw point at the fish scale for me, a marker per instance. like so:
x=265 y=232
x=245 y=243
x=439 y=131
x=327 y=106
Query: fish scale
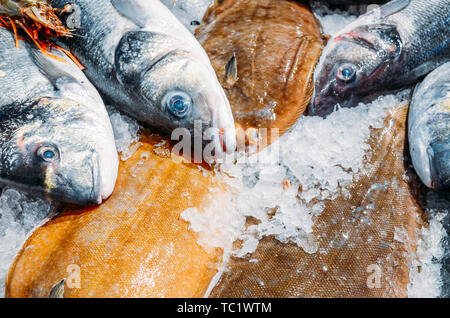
x=56 y=139
x=143 y=60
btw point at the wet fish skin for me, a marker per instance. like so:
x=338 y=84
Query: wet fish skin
x=139 y=56
x=429 y=129
x=56 y=139
x=390 y=47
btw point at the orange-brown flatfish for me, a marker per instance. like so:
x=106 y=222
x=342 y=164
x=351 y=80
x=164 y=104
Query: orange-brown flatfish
x=134 y=245
x=360 y=254
x=264 y=53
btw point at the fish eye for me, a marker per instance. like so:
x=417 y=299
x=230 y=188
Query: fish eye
x=346 y=72
x=47 y=153
x=179 y=103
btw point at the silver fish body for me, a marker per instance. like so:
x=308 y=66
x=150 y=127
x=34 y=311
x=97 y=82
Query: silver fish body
x=429 y=129
x=386 y=49
x=55 y=135
x=148 y=64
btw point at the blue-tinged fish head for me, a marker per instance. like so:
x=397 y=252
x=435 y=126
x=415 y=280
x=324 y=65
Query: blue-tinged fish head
x=60 y=151
x=178 y=88
x=353 y=65
x=430 y=153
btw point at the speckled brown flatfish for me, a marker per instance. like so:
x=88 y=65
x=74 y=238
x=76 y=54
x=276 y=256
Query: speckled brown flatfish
x=134 y=245
x=360 y=254
x=264 y=52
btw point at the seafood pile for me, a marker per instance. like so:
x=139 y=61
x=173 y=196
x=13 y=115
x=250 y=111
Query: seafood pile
x=169 y=65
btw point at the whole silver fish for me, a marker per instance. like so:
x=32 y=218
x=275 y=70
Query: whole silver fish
x=55 y=135
x=189 y=12
x=388 y=48
x=145 y=61
x=429 y=129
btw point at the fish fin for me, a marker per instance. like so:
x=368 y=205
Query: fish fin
x=376 y=37
x=57 y=290
x=134 y=10
x=393 y=7
x=51 y=68
x=231 y=71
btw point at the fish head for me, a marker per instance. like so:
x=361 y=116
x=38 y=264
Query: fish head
x=179 y=87
x=431 y=159
x=354 y=65
x=63 y=152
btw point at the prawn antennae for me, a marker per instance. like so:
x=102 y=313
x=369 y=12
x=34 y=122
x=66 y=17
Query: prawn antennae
x=41 y=24
x=15 y=31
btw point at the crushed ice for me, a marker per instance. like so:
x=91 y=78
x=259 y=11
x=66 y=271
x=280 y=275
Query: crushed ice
x=19 y=214
x=126 y=133
x=319 y=156
x=427 y=276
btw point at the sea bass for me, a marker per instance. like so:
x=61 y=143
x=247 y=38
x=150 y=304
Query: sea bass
x=55 y=135
x=388 y=48
x=429 y=129
x=145 y=61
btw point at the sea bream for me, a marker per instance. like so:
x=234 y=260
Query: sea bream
x=148 y=64
x=429 y=129
x=55 y=135
x=388 y=48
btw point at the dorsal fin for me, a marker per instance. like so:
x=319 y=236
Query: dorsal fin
x=133 y=10
x=393 y=7
x=51 y=68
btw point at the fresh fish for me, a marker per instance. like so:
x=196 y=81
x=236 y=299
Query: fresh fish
x=55 y=135
x=386 y=49
x=145 y=61
x=264 y=53
x=189 y=12
x=429 y=129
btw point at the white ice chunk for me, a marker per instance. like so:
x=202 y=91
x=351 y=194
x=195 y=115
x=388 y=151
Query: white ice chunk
x=19 y=214
x=126 y=133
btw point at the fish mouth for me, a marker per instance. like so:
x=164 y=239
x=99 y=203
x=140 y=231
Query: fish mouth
x=327 y=102
x=226 y=131
x=80 y=186
x=439 y=156
x=322 y=105
x=96 y=194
